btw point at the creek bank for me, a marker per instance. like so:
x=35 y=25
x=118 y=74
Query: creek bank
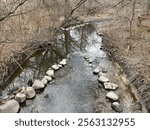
x=112 y=96
x=21 y=57
x=129 y=75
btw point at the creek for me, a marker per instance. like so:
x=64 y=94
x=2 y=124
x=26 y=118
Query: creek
x=75 y=88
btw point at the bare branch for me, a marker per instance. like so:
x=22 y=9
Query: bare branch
x=17 y=63
x=29 y=11
x=77 y=6
x=118 y=3
x=12 y=11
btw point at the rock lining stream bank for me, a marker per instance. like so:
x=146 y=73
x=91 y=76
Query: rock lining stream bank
x=131 y=78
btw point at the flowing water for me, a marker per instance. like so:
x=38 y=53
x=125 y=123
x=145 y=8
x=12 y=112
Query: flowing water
x=75 y=88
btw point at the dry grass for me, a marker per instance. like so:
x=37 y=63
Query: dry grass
x=135 y=50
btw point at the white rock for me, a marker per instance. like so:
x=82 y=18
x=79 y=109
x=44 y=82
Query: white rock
x=112 y=96
x=117 y=107
x=60 y=65
x=63 y=62
x=110 y=86
x=20 y=97
x=90 y=65
x=103 y=79
x=101 y=74
x=11 y=106
x=44 y=81
x=96 y=71
x=86 y=57
x=30 y=92
x=55 y=67
x=90 y=60
x=38 y=84
x=50 y=72
x=48 y=78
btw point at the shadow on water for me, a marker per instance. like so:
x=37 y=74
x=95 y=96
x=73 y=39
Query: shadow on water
x=37 y=65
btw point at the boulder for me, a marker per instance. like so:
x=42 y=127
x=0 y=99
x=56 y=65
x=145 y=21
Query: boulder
x=103 y=79
x=90 y=61
x=38 y=84
x=117 y=107
x=101 y=74
x=63 y=62
x=20 y=97
x=30 y=92
x=112 y=96
x=48 y=78
x=60 y=65
x=110 y=86
x=96 y=71
x=86 y=57
x=44 y=81
x=11 y=106
x=90 y=65
x=55 y=67
x=50 y=72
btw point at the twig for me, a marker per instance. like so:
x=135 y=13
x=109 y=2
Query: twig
x=17 y=63
x=77 y=6
x=118 y=3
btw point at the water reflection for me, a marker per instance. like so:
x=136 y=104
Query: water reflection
x=72 y=40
